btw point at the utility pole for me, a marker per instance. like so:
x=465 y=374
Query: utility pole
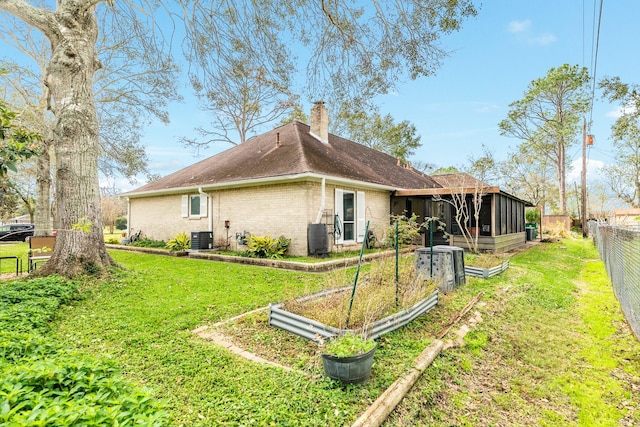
x=584 y=178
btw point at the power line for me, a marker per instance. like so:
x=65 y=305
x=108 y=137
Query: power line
x=594 y=63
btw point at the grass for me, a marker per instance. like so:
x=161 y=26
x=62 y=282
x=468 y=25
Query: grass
x=19 y=249
x=483 y=260
x=553 y=348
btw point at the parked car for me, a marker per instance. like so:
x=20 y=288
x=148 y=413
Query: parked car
x=15 y=232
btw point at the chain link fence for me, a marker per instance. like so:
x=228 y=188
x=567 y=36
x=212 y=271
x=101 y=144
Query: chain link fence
x=619 y=248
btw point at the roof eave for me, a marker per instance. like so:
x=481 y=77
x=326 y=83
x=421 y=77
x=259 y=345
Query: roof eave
x=443 y=191
x=448 y=191
x=256 y=182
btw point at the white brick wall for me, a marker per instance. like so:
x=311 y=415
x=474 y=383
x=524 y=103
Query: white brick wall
x=280 y=209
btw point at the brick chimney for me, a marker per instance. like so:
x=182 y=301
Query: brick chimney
x=320 y=122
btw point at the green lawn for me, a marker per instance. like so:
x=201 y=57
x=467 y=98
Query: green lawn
x=13 y=249
x=553 y=348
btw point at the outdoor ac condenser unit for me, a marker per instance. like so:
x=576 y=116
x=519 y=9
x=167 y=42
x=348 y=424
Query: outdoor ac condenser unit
x=201 y=240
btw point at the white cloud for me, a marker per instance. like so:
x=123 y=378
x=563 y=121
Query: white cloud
x=525 y=33
x=519 y=26
x=594 y=170
x=618 y=112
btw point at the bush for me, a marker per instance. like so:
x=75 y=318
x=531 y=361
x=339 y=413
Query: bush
x=180 y=242
x=42 y=383
x=149 y=243
x=121 y=223
x=532 y=216
x=267 y=246
x=112 y=241
x=408 y=230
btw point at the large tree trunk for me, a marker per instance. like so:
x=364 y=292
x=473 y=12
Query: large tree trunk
x=43 y=192
x=80 y=244
x=562 y=178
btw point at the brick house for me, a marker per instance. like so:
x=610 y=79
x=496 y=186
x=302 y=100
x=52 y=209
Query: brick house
x=278 y=183
x=293 y=181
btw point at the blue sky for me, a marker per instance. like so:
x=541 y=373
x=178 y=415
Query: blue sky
x=493 y=59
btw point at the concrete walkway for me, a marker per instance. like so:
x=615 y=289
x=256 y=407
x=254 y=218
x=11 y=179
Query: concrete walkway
x=210 y=332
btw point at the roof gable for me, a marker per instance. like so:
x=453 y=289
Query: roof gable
x=458 y=180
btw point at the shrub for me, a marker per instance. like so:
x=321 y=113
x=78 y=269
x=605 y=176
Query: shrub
x=121 y=223
x=559 y=232
x=112 y=241
x=267 y=246
x=180 y=242
x=149 y=243
x=408 y=230
x=532 y=216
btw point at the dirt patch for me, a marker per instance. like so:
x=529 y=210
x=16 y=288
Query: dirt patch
x=10 y=276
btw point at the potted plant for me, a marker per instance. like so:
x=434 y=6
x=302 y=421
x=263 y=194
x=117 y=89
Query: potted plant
x=349 y=358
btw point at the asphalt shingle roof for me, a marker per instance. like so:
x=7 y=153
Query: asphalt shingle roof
x=298 y=152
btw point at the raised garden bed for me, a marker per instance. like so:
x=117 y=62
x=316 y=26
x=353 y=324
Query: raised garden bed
x=317 y=331
x=485 y=273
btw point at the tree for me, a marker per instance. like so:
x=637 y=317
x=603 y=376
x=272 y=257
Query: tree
x=243 y=63
x=623 y=177
x=547 y=119
x=600 y=202
x=72 y=31
x=445 y=170
x=134 y=83
x=112 y=208
x=22 y=185
x=526 y=175
x=466 y=193
x=356 y=52
x=16 y=143
x=242 y=80
x=25 y=91
x=8 y=201
x=379 y=132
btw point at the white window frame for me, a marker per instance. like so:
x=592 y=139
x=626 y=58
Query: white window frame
x=187 y=200
x=359 y=219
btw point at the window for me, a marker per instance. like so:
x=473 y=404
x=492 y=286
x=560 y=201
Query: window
x=348 y=219
x=350 y=210
x=194 y=206
x=194 y=203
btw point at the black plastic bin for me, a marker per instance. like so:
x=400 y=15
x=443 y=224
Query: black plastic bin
x=531 y=232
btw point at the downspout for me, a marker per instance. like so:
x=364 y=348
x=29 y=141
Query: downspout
x=322 y=195
x=209 y=207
